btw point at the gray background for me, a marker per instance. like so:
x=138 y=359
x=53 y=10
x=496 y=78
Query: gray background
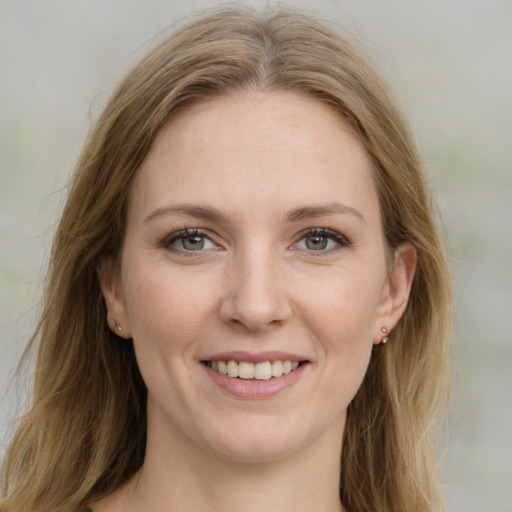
x=450 y=62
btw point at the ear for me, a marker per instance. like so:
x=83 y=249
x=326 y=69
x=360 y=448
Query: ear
x=396 y=290
x=109 y=278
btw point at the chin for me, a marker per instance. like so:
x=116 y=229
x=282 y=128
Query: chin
x=260 y=440
x=255 y=449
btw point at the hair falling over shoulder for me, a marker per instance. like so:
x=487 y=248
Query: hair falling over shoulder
x=84 y=432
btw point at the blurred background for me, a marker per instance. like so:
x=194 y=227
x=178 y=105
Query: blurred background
x=450 y=62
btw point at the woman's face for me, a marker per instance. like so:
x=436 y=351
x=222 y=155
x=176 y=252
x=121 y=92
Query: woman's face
x=254 y=236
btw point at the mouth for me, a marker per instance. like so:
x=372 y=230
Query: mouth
x=246 y=370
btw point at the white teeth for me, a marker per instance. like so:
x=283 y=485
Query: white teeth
x=223 y=367
x=233 y=369
x=245 y=370
x=260 y=371
x=263 y=371
x=277 y=368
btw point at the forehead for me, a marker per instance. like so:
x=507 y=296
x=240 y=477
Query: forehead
x=275 y=149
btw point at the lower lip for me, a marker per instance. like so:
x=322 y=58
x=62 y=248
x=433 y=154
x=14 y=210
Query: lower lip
x=252 y=388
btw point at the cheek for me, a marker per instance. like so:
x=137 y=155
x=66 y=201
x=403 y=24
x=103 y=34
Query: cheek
x=345 y=347
x=166 y=315
x=344 y=307
x=162 y=302
x=342 y=318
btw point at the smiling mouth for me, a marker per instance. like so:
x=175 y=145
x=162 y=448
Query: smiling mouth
x=259 y=371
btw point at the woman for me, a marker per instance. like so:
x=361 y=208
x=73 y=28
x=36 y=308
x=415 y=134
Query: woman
x=248 y=306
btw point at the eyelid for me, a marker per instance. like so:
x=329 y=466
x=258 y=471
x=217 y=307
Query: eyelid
x=184 y=233
x=340 y=239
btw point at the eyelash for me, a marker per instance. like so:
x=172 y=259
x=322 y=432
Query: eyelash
x=181 y=235
x=338 y=238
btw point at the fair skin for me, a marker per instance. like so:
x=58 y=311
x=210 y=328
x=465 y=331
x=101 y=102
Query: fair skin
x=284 y=260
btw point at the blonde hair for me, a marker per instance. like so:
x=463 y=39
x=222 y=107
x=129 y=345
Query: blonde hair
x=84 y=433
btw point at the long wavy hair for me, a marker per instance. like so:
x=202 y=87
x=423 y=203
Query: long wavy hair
x=85 y=429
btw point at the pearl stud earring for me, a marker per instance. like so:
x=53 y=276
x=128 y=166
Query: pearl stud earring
x=118 y=326
x=385 y=330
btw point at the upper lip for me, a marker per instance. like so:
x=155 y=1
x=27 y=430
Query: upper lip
x=255 y=357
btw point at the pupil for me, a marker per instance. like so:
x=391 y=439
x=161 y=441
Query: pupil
x=193 y=243
x=316 y=243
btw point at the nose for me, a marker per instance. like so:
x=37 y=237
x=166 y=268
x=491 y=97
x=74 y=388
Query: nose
x=255 y=297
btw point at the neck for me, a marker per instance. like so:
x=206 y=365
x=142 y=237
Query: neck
x=182 y=480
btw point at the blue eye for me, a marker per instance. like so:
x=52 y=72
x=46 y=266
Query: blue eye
x=320 y=240
x=189 y=240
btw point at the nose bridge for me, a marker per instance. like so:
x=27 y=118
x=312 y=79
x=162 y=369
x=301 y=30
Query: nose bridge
x=256 y=295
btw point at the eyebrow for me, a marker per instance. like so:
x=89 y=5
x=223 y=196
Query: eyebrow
x=190 y=210
x=212 y=214
x=311 y=212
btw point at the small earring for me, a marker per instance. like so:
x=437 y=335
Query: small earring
x=118 y=326
x=385 y=330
